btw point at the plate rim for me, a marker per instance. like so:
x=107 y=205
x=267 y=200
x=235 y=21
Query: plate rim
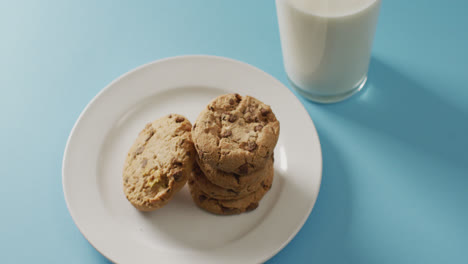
x=192 y=56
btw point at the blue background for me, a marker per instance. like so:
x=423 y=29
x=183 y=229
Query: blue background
x=395 y=177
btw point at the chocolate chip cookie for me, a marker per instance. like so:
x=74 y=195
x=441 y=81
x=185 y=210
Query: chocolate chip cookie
x=219 y=192
x=236 y=134
x=159 y=162
x=235 y=182
x=229 y=207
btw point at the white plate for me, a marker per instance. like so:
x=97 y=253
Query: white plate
x=181 y=232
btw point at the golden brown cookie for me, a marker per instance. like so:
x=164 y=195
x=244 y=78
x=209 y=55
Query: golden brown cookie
x=236 y=134
x=159 y=162
x=236 y=183
x=229 y=207
x=219 y=192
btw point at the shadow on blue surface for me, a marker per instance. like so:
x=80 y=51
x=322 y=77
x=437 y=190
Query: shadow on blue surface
x=396 y=106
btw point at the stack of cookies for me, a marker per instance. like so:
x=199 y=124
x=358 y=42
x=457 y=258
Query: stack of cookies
x=234 y=139
x=227 y=157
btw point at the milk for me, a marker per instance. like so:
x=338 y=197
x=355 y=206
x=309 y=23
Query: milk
x=327 y=45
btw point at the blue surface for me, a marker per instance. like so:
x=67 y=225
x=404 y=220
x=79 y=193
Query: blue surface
x=395 y=175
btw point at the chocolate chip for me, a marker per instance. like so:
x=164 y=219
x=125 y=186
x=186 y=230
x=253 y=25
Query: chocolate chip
x=244 y=169
x=251 y=207
x=249 y=119
x=194 y=125
x=251 y=146
x=231 y=101
x=202 y=198
x=179 y=119
x=197 y=170
x=211 y=108
x=139 y=150
x=264 y=111
x=150 y=135
x=258 y=128
x=237 y=176
x=238 y=97
x=226 y=133
x=188 y=153
x=191 y=182
x=232 y=118
x=186 y=127
x=170 y=116
x=144 y=162
x=176 y=162
x=177 y=176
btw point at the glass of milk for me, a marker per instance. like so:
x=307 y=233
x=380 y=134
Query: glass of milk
x=327 y=45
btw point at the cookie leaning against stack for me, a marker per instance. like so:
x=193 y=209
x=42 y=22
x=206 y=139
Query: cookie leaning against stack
x=234 y=137
x=159 y=162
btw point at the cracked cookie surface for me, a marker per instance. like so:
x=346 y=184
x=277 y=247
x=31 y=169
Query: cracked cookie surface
x=159 y=162
x=236 y=134
x=233 y=206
